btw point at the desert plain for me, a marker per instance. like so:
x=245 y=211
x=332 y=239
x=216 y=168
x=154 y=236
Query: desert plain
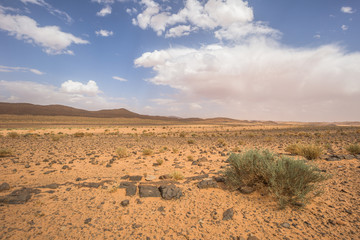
x=135 y=179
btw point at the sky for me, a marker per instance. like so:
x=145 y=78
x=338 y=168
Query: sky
x=275 y=60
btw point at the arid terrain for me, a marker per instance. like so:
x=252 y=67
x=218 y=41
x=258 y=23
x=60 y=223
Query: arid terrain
x=165 y=181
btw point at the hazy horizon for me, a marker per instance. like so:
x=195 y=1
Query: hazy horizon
x=250 y=60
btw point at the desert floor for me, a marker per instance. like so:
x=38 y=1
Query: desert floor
x=68 y=181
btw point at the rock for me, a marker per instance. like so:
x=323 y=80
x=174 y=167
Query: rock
x=219 y=179
x=108 y=165
x=125 y=177
x=149 y=191
x=246 y=189
x=252 y=238
x=207 y=183
x=130 y=188
x=333 y=158
x=51 y=186
x=87 y=221
x=199 y=177
x=228 y=214
x=50 y=171
x=125 y=203
x=27 y=165
x=150 y=178
x=161 y=209
x=4 y=186
x=285 y=225
x=78 y=179
x=164 y=177
x=20 y=196
x=170 y=191
x=66 y=167
x=135 y=178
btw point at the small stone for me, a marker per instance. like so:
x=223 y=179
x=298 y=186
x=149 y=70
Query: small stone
x=252 y=238
x=87 y=221
x=228 y=214
x=27 y=165
x=207 y=183
x=135 y=178
x=4 y=186
x=125 y=203
x=285 y=225
x=78 y=179
x=246 y=189
x=66 y=167
x=108 y=165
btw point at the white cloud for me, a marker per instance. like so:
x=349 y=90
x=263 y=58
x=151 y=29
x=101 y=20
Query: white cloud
x=232 y=19
x=119 y=79
x=105 y=11
x=317 y=36
x=104 y=33
x=90 y=88
x=20 y=69
x=18 y=91
x=347 y=9
x=344 y=27
x=50 y=38
x=51 y=9
x=262 y=79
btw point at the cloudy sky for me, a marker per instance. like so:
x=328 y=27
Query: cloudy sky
x=256 y=59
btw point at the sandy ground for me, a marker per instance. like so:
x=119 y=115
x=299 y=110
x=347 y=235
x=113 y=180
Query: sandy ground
x=74 y=184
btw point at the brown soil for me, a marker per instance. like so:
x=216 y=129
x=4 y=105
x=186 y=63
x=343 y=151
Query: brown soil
x=75 y=192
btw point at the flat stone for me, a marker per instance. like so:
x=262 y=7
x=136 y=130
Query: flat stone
x=246 y=189
x=87 y=221
x=130 y=188
x=199 y=177
x=207 y=183
x=4 y=186
x=149 y=191
x=164 y=177
x=170 y=192
x=150 y=178
x=125 y=203
x=228 y=214
x=135 y=178
x=285 y=225
x=51 y=186
x=20 y=196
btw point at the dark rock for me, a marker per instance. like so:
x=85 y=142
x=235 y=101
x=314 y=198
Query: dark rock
x=161 y=209
x=135 y=178
x=125 y=203
x=219 y=179
x=4 y=186
x=198 y=177
x=108 y=165
x=130 y=188
x=228 y=214
x=87 y=221
x=207 y=183
x=94 y=184
x=20 y=196
x=252 y=238
x=170 y=191
x=66 y=167
x=125 y=177
x=334 y=158
x=164 y=177
x=246 y=189
x=78 y=179
x=50 y=171
x=149 y=191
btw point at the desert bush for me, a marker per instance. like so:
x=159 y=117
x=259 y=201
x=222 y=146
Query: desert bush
x=353 y=149
x=190 y=158
x=221 y=142
x=191 y=141
x=122 y=152
x=147 y=152
x=177 y=175
x=5 y=152
x=79 y=134
x=13 y=134
x=159 y=161
x=56 y=137
x=291 y=181
x=309 y=151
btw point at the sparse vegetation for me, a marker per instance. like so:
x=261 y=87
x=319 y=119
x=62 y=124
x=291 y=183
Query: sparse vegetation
x=353 y=149
x=177 y=175
x=5 y=153
x=191 y=141
x=159 y=161
x=122 y=152
x=13 y=134
x=147 y=152
x=79 y=134
x=291 y=181
x=309 y=151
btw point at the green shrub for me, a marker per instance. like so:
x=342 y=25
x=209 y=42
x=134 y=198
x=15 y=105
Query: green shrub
x=291 y=181
x=353 y=149
x=5 y=152
x=122 y=152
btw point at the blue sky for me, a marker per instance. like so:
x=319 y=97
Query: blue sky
x=256 y=59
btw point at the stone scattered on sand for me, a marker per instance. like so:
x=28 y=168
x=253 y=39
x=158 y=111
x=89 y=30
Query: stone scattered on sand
x=246 y=189
x=150 y=178
x=149 y=191
x=164 y=177
x=285 y=225
x=228 y=214
x=170 y=192
x=125 y=203
x=20 y=196
x=4 y=186
x=51 y=186
x=207 y=183
x=87 y=221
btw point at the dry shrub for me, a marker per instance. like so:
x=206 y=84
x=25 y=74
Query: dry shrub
x=13 y=134
x=122 y=152
x=4 y=152
x=291 y=181
x=147 y=152
x=177 y=175
x=79 y=134
x=309 y=151
x=353 y=149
